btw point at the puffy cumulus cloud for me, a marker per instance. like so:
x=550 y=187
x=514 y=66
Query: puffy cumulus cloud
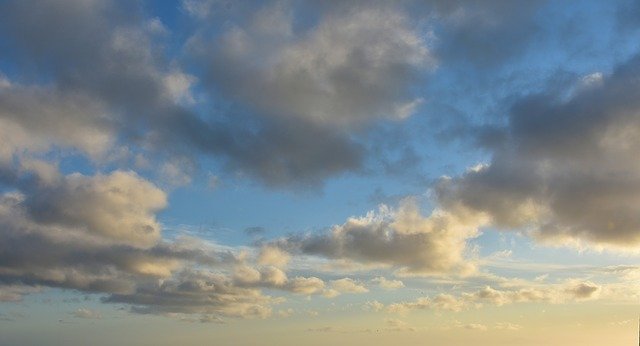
x=353 y=65
x=119 y=207
x=445 y=302
x=302 y=285
x=67 y=251
x=388 y=284
x=111 y=89
x=568 y=291
x=313 y=90
x=401 y=238
x=102 y=62
x=99 y=234
x=566 y=169
x=197 y=292
x=272 y=255
x=266 y=276
x=33 y=118
x=345 y=285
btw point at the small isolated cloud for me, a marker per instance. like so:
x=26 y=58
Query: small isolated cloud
x=584 y=290
x=213 y=181
x=177 y=172
x=481 y=327
x=507 y=326
x=388 y=284
x=86 y=314
x=301 y=285
x=396 y=325
x=345 y=285
x=475 y=326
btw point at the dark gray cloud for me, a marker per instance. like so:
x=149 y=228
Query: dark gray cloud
x=313 y=90
x=566 y=168
x=109 y=82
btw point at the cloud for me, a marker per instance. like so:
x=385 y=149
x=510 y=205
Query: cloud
x=400 y=238
x=111 y=91
x=86 y=314
x=345 y=285
x=485 y=35
x=99 y=234
x=197 y=292
x=584 y=290
x=34 y=118
x=14 y=293
x=314 y=89
x=271 y=255
x=119 y=207
x=568 y=291
x=352 y=66
x=394 y=324
x=475 y=326
x=78 y=248
x=566 y=169
x=388 y=284
x=306 y=286
x=373 y=305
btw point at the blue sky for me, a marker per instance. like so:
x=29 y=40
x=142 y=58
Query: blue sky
x=421 y=170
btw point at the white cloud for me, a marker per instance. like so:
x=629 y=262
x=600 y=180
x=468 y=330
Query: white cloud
x=345 y=285
x=271 y=255
x=388 y=284
x=308 y=286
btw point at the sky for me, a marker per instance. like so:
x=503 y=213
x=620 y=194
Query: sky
x=319 y=172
